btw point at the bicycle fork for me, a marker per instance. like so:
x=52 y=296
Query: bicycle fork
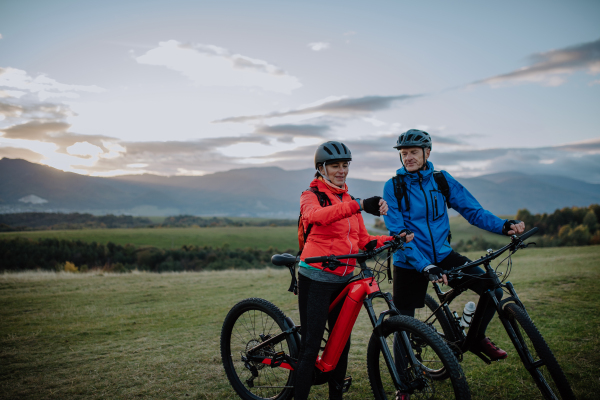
x=398 y=380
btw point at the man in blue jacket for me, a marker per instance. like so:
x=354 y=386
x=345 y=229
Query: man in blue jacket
x=421 y=208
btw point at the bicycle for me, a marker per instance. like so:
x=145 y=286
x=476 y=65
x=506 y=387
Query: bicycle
x=260 y=344
x=533 y=350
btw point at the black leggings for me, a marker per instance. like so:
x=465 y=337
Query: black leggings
x=314 y=299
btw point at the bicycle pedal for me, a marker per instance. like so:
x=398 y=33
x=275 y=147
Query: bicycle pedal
x=346 y=384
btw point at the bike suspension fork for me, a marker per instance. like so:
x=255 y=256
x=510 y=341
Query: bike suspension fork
x=385 y=350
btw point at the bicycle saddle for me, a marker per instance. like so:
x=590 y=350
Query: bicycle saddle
x=283 y=259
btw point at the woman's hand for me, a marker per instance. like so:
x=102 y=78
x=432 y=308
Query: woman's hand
x=374 y=205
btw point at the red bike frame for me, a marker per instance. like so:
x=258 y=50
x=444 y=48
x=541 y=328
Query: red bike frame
x=355 y=293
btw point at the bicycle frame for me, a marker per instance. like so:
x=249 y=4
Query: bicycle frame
x=359 y=293
x=445 y=298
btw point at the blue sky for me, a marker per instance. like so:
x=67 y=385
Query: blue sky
x=194 y=87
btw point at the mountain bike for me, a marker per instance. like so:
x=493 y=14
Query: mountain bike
x=533 y=351
x=260 y=344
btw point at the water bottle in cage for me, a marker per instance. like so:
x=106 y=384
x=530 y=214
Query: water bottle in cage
x=465 y=320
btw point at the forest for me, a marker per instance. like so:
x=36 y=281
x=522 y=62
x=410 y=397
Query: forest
x=30 y=221
x=74 y=255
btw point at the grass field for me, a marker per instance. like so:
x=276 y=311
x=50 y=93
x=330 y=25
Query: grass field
x=157 y=335
x=281 y=238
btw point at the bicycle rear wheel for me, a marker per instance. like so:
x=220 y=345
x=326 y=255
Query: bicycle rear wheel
x=537 y=356
x=433 y=357
x=438 y=320
x=249 y=323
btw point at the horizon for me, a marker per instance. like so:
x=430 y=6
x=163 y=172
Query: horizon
x=195 y=88
x=276 y=167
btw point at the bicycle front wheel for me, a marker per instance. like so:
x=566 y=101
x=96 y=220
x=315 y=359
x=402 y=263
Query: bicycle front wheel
x=249 y=323
x=537 y=356
x=433 y=357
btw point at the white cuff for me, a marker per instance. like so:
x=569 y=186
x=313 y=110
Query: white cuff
x=427 y=268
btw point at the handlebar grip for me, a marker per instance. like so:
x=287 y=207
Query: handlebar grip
x=529 y=233
x=313 y=260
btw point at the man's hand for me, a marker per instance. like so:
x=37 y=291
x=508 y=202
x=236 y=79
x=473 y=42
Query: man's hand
x=406 y=235
x=374 y=205
x=435 y=274
x=513 y=227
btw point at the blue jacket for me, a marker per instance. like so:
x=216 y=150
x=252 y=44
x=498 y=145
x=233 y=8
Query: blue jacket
x=428 y=217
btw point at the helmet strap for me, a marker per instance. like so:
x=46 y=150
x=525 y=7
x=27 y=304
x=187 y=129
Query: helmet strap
x=326 y=175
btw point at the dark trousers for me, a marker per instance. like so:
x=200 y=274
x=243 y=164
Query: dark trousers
x=314 y=299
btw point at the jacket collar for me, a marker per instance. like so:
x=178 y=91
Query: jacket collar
x=322 y=187
x=414 y=176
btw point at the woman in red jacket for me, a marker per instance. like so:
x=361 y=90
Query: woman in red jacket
x=336 y=229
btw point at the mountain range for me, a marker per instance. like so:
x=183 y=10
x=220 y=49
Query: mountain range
x=260 y=191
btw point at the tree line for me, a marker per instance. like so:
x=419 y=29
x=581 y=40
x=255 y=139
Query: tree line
x=569 y=226
x=57 y=221
x=56 y=254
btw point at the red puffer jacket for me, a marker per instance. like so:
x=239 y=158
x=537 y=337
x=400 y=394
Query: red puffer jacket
x=337 y=229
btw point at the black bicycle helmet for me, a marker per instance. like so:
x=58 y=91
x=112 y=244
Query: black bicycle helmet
x=414 y=138
x=332 y=151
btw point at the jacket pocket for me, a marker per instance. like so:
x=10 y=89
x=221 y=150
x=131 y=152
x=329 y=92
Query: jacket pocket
x=438 y=204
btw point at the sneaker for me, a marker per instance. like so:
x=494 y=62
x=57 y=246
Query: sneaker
x=402 y=396
x=487 y=347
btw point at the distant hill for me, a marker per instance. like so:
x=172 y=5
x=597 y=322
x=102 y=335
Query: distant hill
x=260 y=191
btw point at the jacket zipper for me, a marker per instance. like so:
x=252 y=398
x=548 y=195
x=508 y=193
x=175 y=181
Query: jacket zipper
x=436 y=208
x=427 y=216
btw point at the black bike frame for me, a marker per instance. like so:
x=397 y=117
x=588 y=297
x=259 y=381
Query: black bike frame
x=445 y=298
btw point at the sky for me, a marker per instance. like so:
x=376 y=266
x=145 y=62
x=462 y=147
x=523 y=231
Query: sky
x=195 y=87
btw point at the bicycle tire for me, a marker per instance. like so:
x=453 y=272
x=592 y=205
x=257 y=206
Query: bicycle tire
x=243 y=325
x=549 y=377
x=381 y=382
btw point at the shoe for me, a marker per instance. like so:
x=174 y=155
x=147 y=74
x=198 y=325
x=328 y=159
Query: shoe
x=487 y=347
x=402 y=396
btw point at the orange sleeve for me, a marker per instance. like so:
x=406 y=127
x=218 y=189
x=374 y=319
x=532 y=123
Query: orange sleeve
x=364 y=237
x=313 y=213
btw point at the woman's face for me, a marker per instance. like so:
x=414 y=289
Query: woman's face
x=337 y=172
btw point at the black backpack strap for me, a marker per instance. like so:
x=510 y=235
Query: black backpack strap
x=324 y=201
x=443 y=186
x=400 y=191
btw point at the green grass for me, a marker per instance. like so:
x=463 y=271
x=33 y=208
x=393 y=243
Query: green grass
x=157 y=336
x=281 y=238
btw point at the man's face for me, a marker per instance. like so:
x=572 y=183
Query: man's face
x=412 y=157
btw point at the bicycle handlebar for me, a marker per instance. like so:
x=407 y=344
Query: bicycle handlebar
x=368 y=254
x=529 y=233
x=516 y=241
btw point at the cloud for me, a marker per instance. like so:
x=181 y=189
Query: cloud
x=288 y=132
x=56 y=132
x=209 y=65
x=550 y=68
x=43 y=86
x=342 y=106
x=318 y=46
